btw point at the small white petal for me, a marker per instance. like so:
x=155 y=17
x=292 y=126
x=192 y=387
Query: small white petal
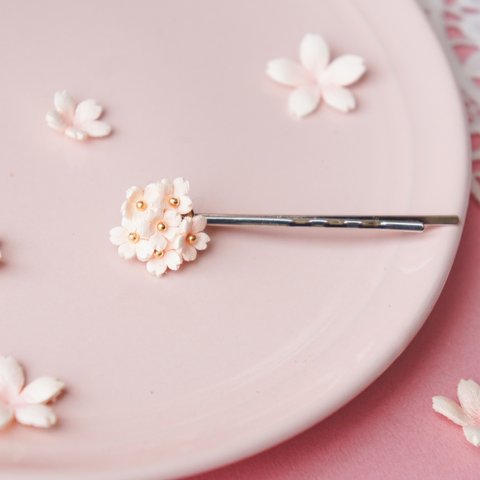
x=76 y=134
x=173 y=260
x=144 y=250
x=153 y=194
x=127 y=250
x=468 y=393
x=189 y=253
x=42 y=390
x=339 y=98
x=158 y=242
x=96 y=128
x=314 y=53
x=180 y=186
x=156 y=267
x=199 y=222
x=172 y=218
x=202 y=240
x=64 y=103
x=131 y=191
x=186 y=205
x=449 y=409
x=36 y=416
x=6 y=415
x=118 y=235
x=55 y=121
x=286 y=72
x=344 y=70
x=86 y=111
x=11 y=374
x=472 y=434
x=303 y=101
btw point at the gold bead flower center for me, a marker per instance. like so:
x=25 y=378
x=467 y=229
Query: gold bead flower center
x=191 y=239
x=161 y=227
x=141 y=205
x=174 y=202
x=134 y=237
x=158 y=253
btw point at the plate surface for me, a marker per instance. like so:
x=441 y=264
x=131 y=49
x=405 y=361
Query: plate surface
x=270 y=330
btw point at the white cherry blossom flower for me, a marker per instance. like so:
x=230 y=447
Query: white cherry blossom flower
x=27 y=405
x=316 y=77
x=167 y=224
x=467 y=414
x=132 y=239
x=195 y=238
x=144 y=202
x=165 y=255
x=177 y=195
x=76 y=121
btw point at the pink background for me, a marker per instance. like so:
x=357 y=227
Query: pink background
x=390 y=431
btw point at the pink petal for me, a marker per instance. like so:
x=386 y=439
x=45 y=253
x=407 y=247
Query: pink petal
x=42 y=390
x=118 y=235
x=173 y=260
x=286 y=72
x=339 y=98
x=11 y=375
x=180 y=186
x=75 y=133
x=468 y=393
x=189 y=253
x=55 y=121
x=202 y=240
x=303 y=101
x=153 y=194
x=314 y=53
x=199 y=222
x=6 y=415
x=344 y=70
x=186 y=225
x=86 y=111
x=64 y=104
x=449 y=409
x=158 y=242
x=144 y=250
x=186 y=205
x=133 y=190
x=96 y=128
x=172 y=218
x=472 y=434
x=127 y=250
x=35 y=416
x=156 y=267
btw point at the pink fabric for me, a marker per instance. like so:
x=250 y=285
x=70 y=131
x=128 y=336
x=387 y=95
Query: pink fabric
x=390 y=431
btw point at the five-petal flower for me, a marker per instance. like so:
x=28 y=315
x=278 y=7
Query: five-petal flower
x=132 y=239
x=467 y=414
x=26 y=404
x=76 y=121
x=195 y=238
x=165 y=255
x=316 y=77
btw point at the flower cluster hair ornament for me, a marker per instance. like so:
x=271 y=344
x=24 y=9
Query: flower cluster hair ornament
x=76 y=121
x=27 y=405
x=315 y=77
x=159 y=227
x=467 y=414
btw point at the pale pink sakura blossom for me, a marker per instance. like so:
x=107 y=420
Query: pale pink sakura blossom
x=177 y=195
x=26 y=405
x=165 y=255
x=467 y=414
x=316 y=77
x=167 y=224
x=195 y=238
x=132 y=239
x=76 y=121
x=143 y=202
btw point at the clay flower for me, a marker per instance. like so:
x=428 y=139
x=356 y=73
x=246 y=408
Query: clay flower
x=167 y=224
x=316 y=77
x=143 y=202
x=131 y=239
x=177 y=195
x=165 y=255
x=76 y=121
x=192 y=230
x=26 y=405
x=467 y=414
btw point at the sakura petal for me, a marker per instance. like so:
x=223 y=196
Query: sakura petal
x=144 y=250
x=76 y=134
x=133 y=191
x=303 y=101
x=186 y=205
x=339 y=98
x=118 y=235
x=156 y=267
x=344 y=70
x=127 y=250
x=86 y=111
x=202 y=240
x=468 y=393
x=11 y=374
x=181 y=186
x=96 y=128
x=6 y=415
x=173 y=260
x=36 y=416
x=55 y=121
x=449 y=409
x=153 y=193
x=314 y=53
x=189 y=253
x=472 y=434
x=286 y=72
x=42 y=390
x=64 y=104
x=199 y=222
x=172 y=218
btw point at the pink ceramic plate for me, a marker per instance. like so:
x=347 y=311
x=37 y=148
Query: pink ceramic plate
x=270 y=330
